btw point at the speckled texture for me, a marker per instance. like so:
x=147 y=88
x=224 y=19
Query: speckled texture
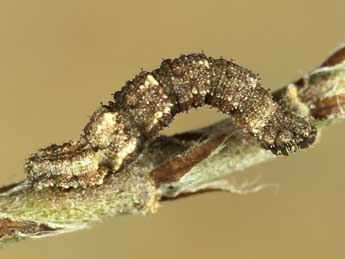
x=117 y=131
x=152 y=99
x=69 y=165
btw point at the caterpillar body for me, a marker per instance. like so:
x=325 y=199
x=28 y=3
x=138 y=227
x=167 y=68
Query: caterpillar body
x=149 y=102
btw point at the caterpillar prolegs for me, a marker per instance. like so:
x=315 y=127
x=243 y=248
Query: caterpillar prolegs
x=149 y=102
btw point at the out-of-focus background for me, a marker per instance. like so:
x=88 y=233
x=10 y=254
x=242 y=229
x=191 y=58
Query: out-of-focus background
x=60 y=59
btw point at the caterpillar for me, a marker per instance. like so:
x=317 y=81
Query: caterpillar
x=149 y=102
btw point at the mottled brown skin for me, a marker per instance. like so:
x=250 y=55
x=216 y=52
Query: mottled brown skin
x=194 y=80
x=149 y=102
x=72 y=164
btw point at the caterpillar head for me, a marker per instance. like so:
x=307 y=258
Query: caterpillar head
x=286 y=133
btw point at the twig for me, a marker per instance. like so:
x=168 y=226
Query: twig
x=170 y=167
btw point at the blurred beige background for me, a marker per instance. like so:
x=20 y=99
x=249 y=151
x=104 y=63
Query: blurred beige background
x=60 y=59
